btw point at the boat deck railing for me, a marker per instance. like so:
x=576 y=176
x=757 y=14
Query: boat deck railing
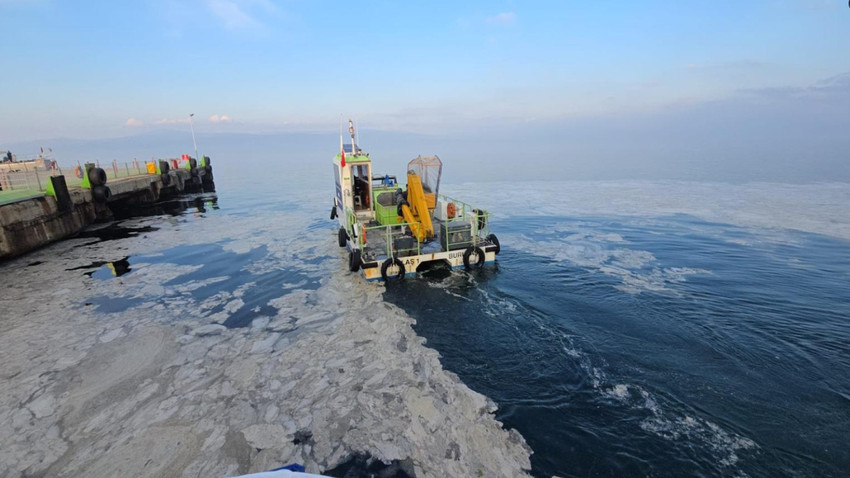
x=378 y=242
x=465 y=213
x=383 y=241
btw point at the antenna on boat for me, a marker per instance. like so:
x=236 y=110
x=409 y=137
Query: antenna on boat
x=353 y=142
x=357 y=129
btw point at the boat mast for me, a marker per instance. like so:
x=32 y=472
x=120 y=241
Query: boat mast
x=353 y=142
x=357 y=129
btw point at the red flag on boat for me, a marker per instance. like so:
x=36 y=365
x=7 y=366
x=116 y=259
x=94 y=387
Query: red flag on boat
x=342 y=155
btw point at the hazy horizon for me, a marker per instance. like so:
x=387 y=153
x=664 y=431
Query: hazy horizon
x=713 y=91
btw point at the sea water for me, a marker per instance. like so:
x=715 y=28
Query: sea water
x=627 y=328
x=664 y=329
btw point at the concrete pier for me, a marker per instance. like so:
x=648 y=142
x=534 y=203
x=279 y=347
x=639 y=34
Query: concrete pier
x=32 y=222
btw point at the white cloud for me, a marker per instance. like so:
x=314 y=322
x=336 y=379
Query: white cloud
x=240 y=14
x=744 y=64
x=171 y=121
x=505 y=19
x=220 y=119
x=133 y=122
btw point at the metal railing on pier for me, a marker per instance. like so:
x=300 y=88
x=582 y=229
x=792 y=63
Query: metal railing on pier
x=114 y=170
x=22 y=180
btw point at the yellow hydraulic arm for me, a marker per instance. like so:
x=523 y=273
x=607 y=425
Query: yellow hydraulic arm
x=417 y=213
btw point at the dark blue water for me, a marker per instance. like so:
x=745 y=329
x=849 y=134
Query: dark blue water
x=676 y=348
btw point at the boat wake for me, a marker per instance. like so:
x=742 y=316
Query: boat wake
x=562 y=356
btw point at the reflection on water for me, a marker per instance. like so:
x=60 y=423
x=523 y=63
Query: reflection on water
x=105 y=270
x=197 y=204
x=114 y=231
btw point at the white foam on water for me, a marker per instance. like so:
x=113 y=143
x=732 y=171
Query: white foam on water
x=771 y=207
x=243 y=288
x=497 y=306
x=637 y=270
x=279 y=233
x=618 y=392
x=198 y=284
x=771 y=213
x=607 y=253
x=679 y=427
x=675 y=426
x=293 y=285
x=214 y=365
x=447 y=284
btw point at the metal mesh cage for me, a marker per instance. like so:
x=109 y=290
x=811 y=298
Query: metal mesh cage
x=429 y=169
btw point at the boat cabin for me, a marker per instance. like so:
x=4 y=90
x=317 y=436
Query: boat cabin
x=353 y=174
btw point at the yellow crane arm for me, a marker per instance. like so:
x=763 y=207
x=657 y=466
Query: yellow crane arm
x=415 y=226
x=419 y=206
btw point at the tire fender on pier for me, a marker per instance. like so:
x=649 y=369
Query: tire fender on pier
x=179 y=182
x=101 y=194
x=97 y=176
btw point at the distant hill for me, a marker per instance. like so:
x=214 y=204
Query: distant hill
x=721 y=141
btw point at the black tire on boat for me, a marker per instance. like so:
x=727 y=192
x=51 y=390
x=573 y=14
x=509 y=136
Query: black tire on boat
x=193 y=163
x=354 y=261
x=467 y=255
x=208 y=173
x=386 y=265
x=343 y=237
x=495 y=241
x=333 y=213
x=97 y=176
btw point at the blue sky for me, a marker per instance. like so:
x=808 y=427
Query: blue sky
x=704 y=90
x=105 y=69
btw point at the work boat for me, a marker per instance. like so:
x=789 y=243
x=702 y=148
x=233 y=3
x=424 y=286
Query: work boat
x=392 y=233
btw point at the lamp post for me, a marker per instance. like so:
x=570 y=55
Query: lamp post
x=192 y=126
